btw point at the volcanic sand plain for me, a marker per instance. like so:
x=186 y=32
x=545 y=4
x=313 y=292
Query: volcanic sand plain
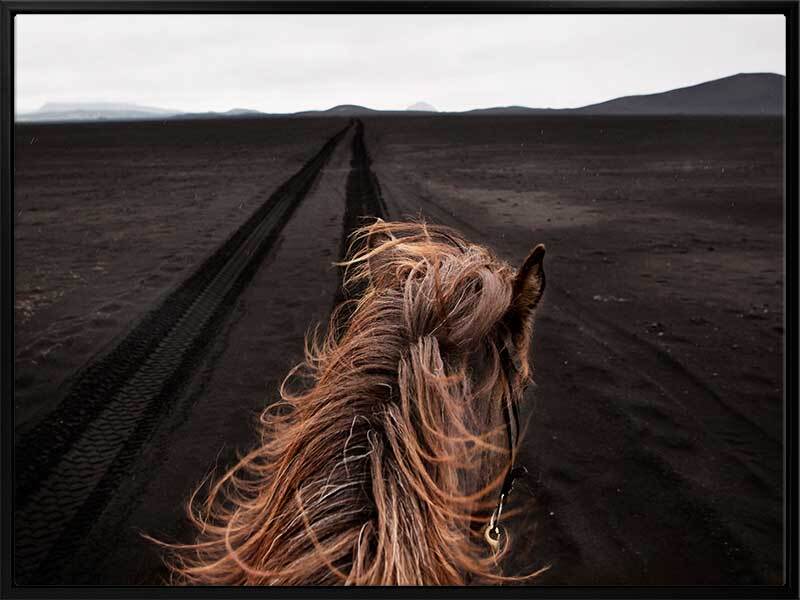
x=654 y=431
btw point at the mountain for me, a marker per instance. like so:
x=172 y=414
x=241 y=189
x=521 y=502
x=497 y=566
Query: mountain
x=742 y=94
x=422 y=107
x=103 y=106
x=118 y=111
x=349 y=109
x=514 y=110
x=228 y=114
x=95 y=111
x=242 y=111
x=342 y=110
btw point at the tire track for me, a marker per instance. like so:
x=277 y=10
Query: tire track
x=752 y=460
x=364 y=202
x=672 y=373
x=677 y=382
x=759 y=455
x=71 y=463
x=665 y=371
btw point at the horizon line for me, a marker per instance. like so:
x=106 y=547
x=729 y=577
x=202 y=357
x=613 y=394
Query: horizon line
x=175 y=112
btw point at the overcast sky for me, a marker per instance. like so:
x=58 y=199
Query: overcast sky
x=286 y=63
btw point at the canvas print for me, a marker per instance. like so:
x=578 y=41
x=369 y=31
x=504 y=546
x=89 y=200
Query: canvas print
x=413 y=299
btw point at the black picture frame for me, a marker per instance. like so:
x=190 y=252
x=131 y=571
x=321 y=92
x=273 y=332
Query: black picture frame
x=10 y=9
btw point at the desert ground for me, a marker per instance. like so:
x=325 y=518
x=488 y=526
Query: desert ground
x=654 y=436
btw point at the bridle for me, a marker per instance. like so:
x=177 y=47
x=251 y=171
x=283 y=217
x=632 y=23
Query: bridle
x=511 y=414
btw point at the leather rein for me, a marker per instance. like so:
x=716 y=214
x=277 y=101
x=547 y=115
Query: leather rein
x=494 y=530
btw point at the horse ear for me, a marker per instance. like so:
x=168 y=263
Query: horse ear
x=528 y=285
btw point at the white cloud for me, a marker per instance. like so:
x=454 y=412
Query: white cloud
x=284 y=63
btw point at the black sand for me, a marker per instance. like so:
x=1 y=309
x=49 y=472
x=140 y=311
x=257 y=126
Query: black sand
x=655 y=433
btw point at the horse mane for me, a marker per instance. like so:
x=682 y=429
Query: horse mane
x=383 y=457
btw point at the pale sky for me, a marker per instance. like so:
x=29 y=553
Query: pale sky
x=287 y=63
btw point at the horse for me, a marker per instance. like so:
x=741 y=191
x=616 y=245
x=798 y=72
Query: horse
x=390 y=455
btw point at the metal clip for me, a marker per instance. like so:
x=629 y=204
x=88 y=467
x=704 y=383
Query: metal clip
x=492 y=533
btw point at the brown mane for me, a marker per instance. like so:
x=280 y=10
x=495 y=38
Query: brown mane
x=382 y=460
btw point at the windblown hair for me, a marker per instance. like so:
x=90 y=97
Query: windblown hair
x=383 y=459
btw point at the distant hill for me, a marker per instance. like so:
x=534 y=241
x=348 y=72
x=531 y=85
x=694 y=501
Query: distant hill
x=350 y=109
x=95 y=111
x=343 y=110
x=742 y=94
x=422 y=107
x=103 y=106
x=117 y=111
x=232 y=113
x=515 y=110
x=242 y=111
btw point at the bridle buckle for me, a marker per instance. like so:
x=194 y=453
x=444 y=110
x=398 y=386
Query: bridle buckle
x=492 y=536
x=493 y=529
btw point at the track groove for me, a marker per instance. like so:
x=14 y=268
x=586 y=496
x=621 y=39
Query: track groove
x=364 y=201
x=672 y=373
x=73 y=461
x=684 y=388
